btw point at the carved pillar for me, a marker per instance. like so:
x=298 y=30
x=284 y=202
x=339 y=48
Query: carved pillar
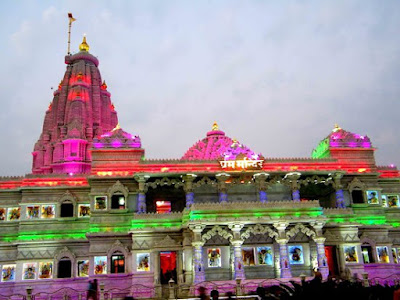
x=187 y=256
x=156 y=267
x=284 y=258
x=222 y=188
x=141 y=197
x=237 y=251
x=188 y=180
x=198 y=265
x=321 y=257
x=283 y=252
x=179 y=263
x=339 y=190
x=320 y=241
x=293 y=177
x=261 y=184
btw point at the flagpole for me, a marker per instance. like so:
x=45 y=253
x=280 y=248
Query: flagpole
x=71 y=19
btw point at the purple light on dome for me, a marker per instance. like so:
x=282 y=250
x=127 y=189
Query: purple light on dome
x=352 y=144
x=366 y=145
x=334 y=144
x=135 y=145
x=392 y=165
x=98 y=145
x=116 y=143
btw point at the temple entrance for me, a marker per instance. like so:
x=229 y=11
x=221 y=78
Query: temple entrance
x=167 y=266
x=331 y=256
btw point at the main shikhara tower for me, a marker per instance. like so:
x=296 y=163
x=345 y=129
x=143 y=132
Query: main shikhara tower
x=81 y=110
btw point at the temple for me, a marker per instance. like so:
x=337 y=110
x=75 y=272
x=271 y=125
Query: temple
x=222 y=215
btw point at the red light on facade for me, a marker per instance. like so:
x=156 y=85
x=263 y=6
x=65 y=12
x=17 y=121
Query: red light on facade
x=163 y=207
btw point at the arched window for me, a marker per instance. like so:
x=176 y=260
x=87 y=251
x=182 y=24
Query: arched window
x=117 y=262
x=64 y=268
x=66 y=205
x=356 y=189
x=118 y=194
x=67 y=209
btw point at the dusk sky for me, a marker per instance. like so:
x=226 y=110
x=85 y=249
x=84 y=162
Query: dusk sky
x=276 y=75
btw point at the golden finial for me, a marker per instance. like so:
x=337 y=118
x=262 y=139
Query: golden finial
x=337 y=128
x=215 y=126
x=60 y=85
x=116 y=127
x=84 y=46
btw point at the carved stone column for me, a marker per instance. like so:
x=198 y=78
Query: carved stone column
x=222 y=188
x=320 y=241
x=198 y=265
x=156 y=267
x=293 y=177
x=339 y=190
x=188 y=180
x=237 y=251
x=284 y=258
x=321 y=257
x=141 y=197
x=261 y=184
x=187 y=256
x=283 y=252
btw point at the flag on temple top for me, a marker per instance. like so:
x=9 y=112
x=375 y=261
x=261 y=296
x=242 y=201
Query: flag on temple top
x=71 y=18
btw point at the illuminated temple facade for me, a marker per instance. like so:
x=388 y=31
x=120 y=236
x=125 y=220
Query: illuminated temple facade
x=95 y=207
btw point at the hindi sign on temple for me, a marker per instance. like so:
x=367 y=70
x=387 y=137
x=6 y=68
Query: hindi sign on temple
x=241 y=164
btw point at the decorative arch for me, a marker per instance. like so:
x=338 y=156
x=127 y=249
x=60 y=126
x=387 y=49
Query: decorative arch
x=303 y=229
x=356 y=184
x=118 y=246
x=367 y=241
x=316 y=180
x=64 y=253
x=258 y=229
x=67 y=197
x=118 y=187
x=217 y=230
x=205 y=181
x=165 y=181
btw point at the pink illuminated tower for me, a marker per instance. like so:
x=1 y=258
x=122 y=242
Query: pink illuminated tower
x=81 y=110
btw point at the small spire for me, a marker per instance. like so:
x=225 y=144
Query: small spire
x=60 y=85
x=336 y=128
x=117 y=127
x=215 y=126
x=104 y=85
x=84 y=45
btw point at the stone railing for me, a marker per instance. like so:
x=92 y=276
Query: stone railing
x=338 y=211
x=243 y=205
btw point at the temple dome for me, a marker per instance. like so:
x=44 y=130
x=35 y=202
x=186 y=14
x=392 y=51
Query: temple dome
x=216 y=145
x=340 y=138
x=117 y=138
